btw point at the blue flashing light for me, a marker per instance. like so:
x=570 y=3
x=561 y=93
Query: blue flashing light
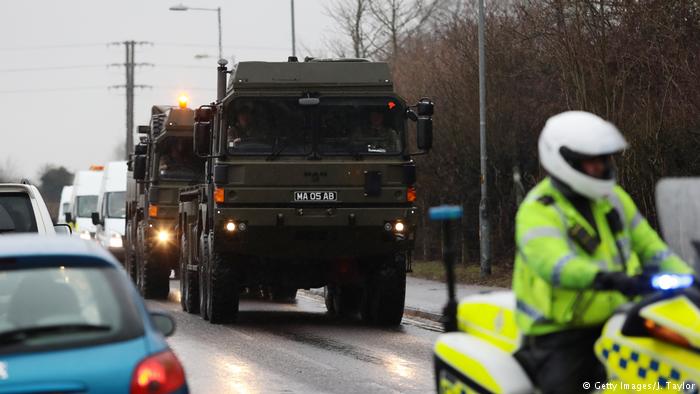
x=445 y=212
x=671 y=281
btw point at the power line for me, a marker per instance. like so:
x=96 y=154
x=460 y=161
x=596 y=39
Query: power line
x=51 y=68
x=191 y=45
x=44 y=47
x=49 y=90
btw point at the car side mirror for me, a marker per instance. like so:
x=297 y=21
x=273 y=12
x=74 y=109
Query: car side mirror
x=163 y=322
x=96 y=218
x=139 y=167
x=69 y=217
x=202 y=138
x=62 y=229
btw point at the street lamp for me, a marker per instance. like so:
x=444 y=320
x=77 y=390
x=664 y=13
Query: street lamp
x=182 y=7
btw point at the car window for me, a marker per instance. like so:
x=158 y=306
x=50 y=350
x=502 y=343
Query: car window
x=17 y=213
x=64 y=307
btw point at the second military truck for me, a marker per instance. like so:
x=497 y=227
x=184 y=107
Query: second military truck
x=309 y=182
x=162 y=163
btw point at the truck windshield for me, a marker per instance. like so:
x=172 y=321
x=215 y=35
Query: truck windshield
x=86 y=206
x=361 y=126
x=268 y=126
x=116 y=205
x=176 y=160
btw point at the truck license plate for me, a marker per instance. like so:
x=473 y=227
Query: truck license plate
x=313 y=196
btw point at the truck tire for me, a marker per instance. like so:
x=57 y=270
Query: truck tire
x=202 y=269
x=222 y=290
x=130 y=265
x=153 y=279
x=283 y=294
x=328 y=298
x=189 y=282
x=385 y=292
x=343 y=300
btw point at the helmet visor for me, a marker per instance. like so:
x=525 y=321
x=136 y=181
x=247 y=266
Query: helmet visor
x=600 y=166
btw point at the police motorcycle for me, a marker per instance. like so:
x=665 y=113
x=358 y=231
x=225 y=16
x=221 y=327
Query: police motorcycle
x=652 y=345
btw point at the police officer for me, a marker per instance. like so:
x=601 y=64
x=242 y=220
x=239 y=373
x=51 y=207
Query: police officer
x=580 y=239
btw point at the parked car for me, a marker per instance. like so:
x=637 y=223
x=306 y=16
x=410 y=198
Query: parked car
x=110 y=218
x=22 y=210
x=71 y=321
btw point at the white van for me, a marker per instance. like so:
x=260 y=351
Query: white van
x=86 y=188
x=110 y=216
x=65 y=205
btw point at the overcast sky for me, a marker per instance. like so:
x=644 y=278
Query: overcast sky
x=55 y=104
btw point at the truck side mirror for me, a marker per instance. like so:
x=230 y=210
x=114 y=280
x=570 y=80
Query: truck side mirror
x=69 y=217
x=140 y=149
x=425 y=133
x=425 y=109
x=202 y=138
x=139 y=167
x=96 y=218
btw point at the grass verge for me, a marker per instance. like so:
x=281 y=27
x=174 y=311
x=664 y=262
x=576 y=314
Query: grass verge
x=470 y=274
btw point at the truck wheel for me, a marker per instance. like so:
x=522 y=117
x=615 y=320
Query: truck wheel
x=202 y=276
x=328 y=298
x=189 y=282
x=283 y=294
x=153 y=279
x=346 y=300
x=222 y=291
x=130 y=265
x=385 y=293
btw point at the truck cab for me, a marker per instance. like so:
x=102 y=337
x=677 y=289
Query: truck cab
x=164 y=164
x=309 y=183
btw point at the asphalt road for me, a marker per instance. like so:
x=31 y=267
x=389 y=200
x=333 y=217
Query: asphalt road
x=298 y=348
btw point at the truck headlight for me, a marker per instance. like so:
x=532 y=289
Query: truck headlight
x=163 y=236
x=399 y=227
x=115 y=241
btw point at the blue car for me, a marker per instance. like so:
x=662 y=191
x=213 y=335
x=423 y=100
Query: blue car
x=72 y=322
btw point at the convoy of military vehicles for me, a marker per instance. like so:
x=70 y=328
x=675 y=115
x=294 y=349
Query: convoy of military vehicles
x=299 y=175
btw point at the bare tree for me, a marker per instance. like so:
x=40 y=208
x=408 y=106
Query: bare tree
x=352 y=17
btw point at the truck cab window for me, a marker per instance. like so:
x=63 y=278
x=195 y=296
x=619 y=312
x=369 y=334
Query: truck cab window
x=176 y=160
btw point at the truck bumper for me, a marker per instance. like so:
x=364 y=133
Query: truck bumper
x=311 y=232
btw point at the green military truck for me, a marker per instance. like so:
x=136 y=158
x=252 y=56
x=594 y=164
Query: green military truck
x=163 y=163
x=308 y=183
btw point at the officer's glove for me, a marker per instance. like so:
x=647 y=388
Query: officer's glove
x=618 y=281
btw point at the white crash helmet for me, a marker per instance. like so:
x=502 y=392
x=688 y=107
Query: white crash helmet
x=568 y=138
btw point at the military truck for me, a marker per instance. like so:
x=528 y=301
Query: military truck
x=309 y=183
x=163 y=163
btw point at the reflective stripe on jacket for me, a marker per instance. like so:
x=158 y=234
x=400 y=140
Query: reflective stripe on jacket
x=553 y=273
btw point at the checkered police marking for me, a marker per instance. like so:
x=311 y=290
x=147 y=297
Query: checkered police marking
x=639 y=368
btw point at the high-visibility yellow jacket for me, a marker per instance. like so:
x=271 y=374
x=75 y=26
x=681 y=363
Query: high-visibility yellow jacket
x=559 y=254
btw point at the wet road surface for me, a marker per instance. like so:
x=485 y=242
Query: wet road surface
x=298 y=348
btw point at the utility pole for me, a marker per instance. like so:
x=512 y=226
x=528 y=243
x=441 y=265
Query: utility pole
x=484 y=227
x=294 y=41
x=130 y=85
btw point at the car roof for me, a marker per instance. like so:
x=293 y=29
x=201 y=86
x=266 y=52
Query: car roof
x=28 y=246
x=17 y=187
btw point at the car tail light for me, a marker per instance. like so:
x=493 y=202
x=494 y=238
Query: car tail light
x=158 y=374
